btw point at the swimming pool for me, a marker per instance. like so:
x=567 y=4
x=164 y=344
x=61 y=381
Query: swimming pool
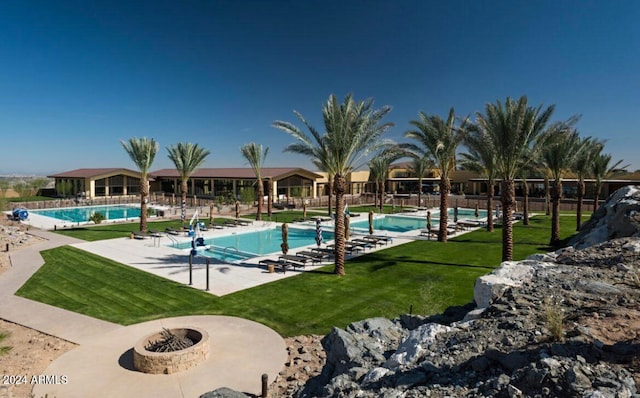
x=410 y=223
x=82 y=214
x=241 y=246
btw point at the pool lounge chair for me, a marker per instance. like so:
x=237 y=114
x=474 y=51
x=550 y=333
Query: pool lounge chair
x=324 y=250
x=267 y=262
x=377 y=240
x=215 y=225
x=172 y=231
x=140 y=235
x=295 y=260
x=316 y=257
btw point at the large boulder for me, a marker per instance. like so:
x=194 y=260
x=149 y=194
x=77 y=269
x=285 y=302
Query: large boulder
x=618 y=217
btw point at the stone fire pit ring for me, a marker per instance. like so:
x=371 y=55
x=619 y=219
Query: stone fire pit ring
x=172 y=361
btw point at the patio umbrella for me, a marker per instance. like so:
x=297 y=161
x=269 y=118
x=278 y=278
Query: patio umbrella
x=476 y=212
x=304 y=210
x=318 y=231
x=285 y=238
x=237 y=209
x=455 y=214
x=429 y=221
x=370 y=222
x=347 y=226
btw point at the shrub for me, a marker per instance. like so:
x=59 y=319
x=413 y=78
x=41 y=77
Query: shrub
x=554 y=318
x=4 y=349
x=97 y=217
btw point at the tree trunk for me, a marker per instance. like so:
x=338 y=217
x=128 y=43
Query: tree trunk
x=507 y=197
x=445 y=188
x=260 y=199
x=420 y=192
x=270 y=199
x=596 y=199
x=144 y=193
x=339 y=189
x=183 y=204
x=331 y=189
x=525 y=202
x=581 y=189
x=375 y=195
x=490 y=207
x=547 y=210
x=556 y=194
x=382 y=197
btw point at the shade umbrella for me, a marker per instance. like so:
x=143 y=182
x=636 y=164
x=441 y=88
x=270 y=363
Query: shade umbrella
x=476 y=212
x=429 y=221
x=285 y=238
x=347 y=227
x=370 y=222
x=318 y=232
x=237 y=209
x=455 y=214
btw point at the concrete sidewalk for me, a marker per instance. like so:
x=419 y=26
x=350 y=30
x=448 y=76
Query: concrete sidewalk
x=48 y=319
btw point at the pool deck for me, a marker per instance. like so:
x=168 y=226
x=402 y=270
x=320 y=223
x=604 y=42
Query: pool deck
x=154 y=255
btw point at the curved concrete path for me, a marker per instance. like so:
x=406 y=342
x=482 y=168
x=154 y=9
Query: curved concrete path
x=241 y=350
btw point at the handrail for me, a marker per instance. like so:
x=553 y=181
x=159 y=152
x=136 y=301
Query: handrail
x=174 y=241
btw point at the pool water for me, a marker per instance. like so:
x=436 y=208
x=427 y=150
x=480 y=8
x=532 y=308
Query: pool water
x=82 y=214
x=242 y=246
x=407 y=223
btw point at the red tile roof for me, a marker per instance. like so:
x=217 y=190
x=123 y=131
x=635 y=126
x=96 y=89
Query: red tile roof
x=235 y=172
x=88 y=173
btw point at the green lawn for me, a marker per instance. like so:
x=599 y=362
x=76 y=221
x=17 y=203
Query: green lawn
x=427 y=275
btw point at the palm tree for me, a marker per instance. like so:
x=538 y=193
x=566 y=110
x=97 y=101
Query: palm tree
x=601 y=169
x=438 y=139
x=379 y=168
x=582 y=169
x=419 y=166
x=142 y=151
x=319 y=154
x=512 y=129
x=256 y=156
x=186 y=157
x=353 y=130
x=481 y=158
x=559 y=157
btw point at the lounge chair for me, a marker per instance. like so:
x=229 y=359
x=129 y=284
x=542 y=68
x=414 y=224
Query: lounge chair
x=377 y=240
x=140 y=235
x=324 y=250
x=230 y=224
x=295 y=260
x=172 y=231
x=215 y=225
x=360 y=242
x=267 y=262
x=314 y=256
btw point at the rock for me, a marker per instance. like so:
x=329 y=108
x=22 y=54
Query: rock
x=374 y=375
x=415 y=345
x=618 y=217
x=224 y=392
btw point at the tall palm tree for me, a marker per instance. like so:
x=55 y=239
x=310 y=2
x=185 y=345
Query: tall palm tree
x=582 y=169
x=601 y=169
x=353 y=130
x=481 y=158
x=512 y=129
x=319 y=154
x=142 y=152
x=419 y=166
x=559 y=157
x=256 y=156
x=379 y=168
x=438 y=139
x=186 y=157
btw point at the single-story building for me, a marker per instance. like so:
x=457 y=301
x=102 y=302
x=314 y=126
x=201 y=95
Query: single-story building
x=98 y=182
x=286 y=181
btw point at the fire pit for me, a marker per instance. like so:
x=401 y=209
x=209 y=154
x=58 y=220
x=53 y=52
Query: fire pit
x=171 y=350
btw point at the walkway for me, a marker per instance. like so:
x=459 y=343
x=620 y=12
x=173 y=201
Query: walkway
x=241 y=350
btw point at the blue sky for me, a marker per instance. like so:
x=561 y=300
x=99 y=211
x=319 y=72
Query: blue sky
x=76 y=77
